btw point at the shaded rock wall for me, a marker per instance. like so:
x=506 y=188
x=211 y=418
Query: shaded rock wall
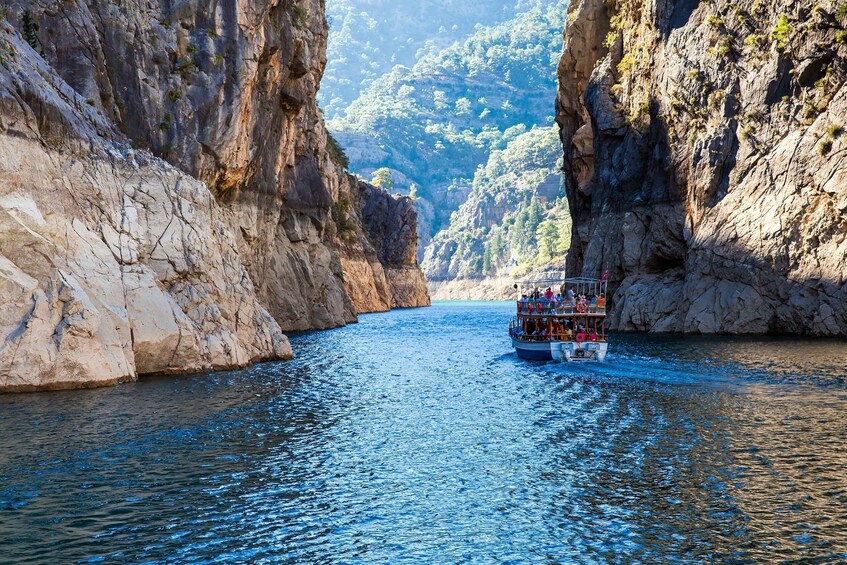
x=706 y=163
x=390 y=222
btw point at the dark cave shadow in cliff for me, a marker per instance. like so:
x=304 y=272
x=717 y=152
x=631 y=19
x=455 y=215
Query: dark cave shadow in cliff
x=680 y=12
x=791 y=304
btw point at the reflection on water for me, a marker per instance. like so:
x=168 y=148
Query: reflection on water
x=419 y=436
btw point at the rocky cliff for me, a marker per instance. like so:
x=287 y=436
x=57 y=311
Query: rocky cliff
x=172 y=201
x=706 y=164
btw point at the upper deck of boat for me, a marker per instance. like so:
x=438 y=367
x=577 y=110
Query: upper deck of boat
x=566 y=297
x=544 y=308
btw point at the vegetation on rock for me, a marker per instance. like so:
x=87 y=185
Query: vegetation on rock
x=433 y=120
x=515 y=219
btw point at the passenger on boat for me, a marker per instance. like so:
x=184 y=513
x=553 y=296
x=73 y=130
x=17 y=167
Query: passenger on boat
x=601 y=301
x=557 y=330
x=592 y=336
x=569 y=295
x=548 y=294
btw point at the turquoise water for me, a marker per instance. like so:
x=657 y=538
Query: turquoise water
x=418 y=436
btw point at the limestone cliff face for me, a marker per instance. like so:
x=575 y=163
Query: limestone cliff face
x=226 y=91
x=112 y=262
x=390 y=222
x=247 y=226
x=706 y=163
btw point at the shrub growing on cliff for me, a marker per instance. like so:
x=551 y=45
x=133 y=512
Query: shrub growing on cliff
x=782 y=32
x=615 y=25
x=185 y=66
x=722 y=48
x=715 y=20
x=382 y=178
x=299 y=16
x=341 y=216
x=825 y=147
x=336 y=152
x=30 y=30
x=166 y=122
x=755 y=42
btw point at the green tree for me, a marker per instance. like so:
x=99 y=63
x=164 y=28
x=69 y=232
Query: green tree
x=30 y=30
x=533 y=220
x=518 y=231
x=486 y=260
x=548 y=239
x=382 y=178
x=497 y=244
x=564 y=236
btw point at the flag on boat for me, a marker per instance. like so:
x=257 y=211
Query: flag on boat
x=605 y=275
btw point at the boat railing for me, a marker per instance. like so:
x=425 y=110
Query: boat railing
x=562 y=307
x=515 y=333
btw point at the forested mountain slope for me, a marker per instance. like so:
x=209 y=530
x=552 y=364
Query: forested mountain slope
x=514 y=220
x=369 y=37
x=432 y=124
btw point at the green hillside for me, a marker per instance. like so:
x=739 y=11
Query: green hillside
x=440 y=123
x=369 y=37
x=515 y=219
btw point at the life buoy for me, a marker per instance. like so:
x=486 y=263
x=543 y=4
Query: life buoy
x=581 y=307
x=580 y=337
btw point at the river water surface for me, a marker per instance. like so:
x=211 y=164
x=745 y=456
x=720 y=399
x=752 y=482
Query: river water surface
x=418 y=436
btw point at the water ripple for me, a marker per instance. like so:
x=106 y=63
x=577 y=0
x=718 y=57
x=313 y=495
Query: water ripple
x=417 y=436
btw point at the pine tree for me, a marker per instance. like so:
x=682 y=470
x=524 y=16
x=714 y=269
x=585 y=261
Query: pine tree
x=532 y=221
x=30 y=30
x=548 y=239
x=564 y=243
x=497 y=245
x=382 y=178
x=486 y=260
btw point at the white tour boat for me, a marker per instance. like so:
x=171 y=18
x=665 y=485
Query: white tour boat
x=561 y=320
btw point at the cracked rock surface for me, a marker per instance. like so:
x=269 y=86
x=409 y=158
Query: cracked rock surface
x=706 y=162
x=112 y=262
x=115 y=262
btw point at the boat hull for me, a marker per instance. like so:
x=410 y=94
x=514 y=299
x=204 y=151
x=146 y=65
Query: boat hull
x=565 y=351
